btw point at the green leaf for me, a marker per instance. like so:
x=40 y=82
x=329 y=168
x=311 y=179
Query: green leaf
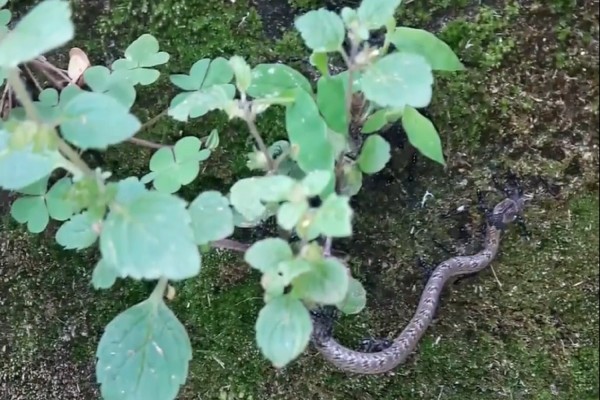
x=144 y=51
x=79 y=232
x=150 y=237
x=331 y=99
x=322 y=30
x=288 y=214
x=96 y=120
x=242 y=72
x=31 y=210
x=423 y=135
x=100 y=80
x=212 y=218
x=23 y=166
x=316 y=181
x=144 y=353
x=47 y=26
x=204 y=73
x=418 y=41
x=326 y=283
x=196 y=104
x=321 y=62
x=374 y=155
x=104 y=275
x=37 y=188
x=212 y=141
x=272 y=80
x=308 y=131
x=283 y=329
x=373 y=14
x=265 y=255
x=334 y=217
x=397 y=80
x=355 y=299
x=353 y=178
x=375 y=122
x=248 y=194
x=172 y=168
x=60 y=207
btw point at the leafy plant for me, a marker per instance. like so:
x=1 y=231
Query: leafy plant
x=149 y=233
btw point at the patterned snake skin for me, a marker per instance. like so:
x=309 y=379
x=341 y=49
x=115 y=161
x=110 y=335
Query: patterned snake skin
x=349 y=360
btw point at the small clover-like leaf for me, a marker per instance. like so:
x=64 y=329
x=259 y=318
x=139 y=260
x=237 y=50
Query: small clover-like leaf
x=45 y=27
x=264 y=255
x=422 y=134
x=272 y=80
x=374 y=155
x=96 y=120
x=248 y=194
x=31 y=210
x=101 y=80
x=203 y=74
x=144 y=51
x=373 y=14
x=242 y=72
x=79 y=232
x=334 y=217
x=439 y=55
x=150 y=237
x=212 y=218
x=308 y=131
x=316 y=181
x=104 y=275
x=355 y=299
x=326 y=282
x=144 y=353
x=322 y=30
x=397 y=80
x=212 y=141
x=289 y=214
x=283 y=329
x=172 y=168
x=60 y=207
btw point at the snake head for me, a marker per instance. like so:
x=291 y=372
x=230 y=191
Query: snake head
x=508 y=210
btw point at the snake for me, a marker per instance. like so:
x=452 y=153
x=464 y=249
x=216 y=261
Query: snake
x=505 y=212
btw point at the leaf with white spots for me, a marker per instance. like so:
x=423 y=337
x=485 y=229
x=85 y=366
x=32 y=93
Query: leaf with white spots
x=150 y=237
x=144 y=353
x=271 y=80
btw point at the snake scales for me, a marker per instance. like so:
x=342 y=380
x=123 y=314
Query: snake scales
x=349 y=360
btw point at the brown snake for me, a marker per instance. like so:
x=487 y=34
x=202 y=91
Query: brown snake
x=349 y=360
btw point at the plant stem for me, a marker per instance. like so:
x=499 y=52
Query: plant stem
x=159 y=289
x=21 y=92
x=147 y=143
x=259 y=141
x=153 y=120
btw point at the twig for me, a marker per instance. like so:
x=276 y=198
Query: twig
x=259 y=141
x=33 y=78
x=496 y=277
x=56 y=83
x=153 y=120
x=230 y=244
x=45 y=64
x=147 y=143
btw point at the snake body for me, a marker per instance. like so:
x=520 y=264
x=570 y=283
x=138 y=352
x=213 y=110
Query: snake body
x=349 y=360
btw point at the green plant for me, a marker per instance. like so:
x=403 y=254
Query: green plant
x=146 y=232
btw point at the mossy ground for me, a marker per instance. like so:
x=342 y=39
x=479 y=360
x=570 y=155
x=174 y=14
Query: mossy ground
x=528 y=102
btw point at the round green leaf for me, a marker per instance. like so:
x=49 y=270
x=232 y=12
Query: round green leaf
x=322 y=30
x=375 y=122
x=283 y=329
x=290 y=213
x=151 y=237
x=266 y=254
x=45 y=27
x=418 y=41
x=334 y=217
x=212 y=218
x=144 y=353
x=78 y=233
x=31 y=210
x=374 y=155
x=60 y=206
x=242 y=72
x=321 y=62
x=196 y=104
x=144 y=52
x=355 y=299
x=96 y=120
x=104 y=275
x=397 y=80
x=316 y=181
x=373 y=14
x=326 y=283
x=422 y=134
